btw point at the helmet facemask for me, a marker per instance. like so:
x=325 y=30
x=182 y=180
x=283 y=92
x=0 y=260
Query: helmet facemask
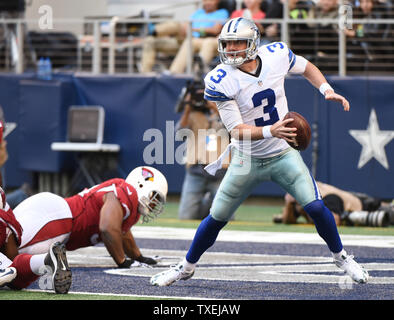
x=151 y=206
x=233 y=57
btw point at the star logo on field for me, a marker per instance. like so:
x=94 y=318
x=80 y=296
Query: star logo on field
x=373 y=142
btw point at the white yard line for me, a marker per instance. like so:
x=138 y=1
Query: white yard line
x=145 y=232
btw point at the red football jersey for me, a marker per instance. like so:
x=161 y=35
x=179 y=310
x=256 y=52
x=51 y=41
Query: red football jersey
x=86 y=206
x=7 y=219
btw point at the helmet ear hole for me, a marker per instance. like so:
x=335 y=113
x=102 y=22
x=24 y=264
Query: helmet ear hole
x=140 y=185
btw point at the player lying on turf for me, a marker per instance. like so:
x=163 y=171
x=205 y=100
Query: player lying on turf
x=248 y=88
x=342 y=204
x=105 y=212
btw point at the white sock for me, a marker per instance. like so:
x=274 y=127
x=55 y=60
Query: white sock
x=339 y=255
x=187 y=266
x=37 y=264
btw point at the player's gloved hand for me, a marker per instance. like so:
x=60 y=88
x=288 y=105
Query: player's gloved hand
x=130 y=263
x=148 y=260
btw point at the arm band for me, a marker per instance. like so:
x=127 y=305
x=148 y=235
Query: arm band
x=267 y=132
x=324 y=87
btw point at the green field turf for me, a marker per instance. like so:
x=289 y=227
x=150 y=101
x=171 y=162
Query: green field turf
x=32 y=295
x=10 y=295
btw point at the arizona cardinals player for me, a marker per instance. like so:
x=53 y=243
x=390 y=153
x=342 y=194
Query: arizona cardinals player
x=26 y=268
x=9 y=228
x=105 y=212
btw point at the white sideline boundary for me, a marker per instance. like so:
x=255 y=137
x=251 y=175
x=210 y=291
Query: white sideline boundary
x=146 y=232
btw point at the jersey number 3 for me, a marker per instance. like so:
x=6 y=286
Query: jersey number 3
x=220 y=75
x=270 y=113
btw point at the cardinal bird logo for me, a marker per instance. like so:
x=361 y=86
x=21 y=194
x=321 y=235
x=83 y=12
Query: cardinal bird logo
x=147 y=174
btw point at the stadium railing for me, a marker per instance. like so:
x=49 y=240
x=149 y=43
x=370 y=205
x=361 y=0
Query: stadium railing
x=115 y=45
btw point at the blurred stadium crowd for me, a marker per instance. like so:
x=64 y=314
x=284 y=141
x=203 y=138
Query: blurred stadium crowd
x=156 y=42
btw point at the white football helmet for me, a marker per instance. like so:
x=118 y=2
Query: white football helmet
x=152 y=187
x=239 y=29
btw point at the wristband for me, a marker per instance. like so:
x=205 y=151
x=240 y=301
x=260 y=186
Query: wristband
x=267 y=132
x=324 y=87
x=126 y=263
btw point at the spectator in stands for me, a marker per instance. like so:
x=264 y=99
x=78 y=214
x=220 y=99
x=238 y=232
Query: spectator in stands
x=170 y=36
x=341 y=203
x=389 y=6
x=251 y=9
x=298 y=9
x=206 y=139
x=370 y=9
x=300 y=35
x=366 y=39
x=325 y=9
x=325 y=34
x=271 y=31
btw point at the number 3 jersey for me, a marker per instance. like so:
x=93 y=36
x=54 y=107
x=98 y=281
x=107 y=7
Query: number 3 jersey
x=255 y=99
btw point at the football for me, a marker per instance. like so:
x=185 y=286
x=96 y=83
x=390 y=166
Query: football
x=301 y=141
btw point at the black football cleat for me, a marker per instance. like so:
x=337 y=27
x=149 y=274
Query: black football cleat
x=56 y=260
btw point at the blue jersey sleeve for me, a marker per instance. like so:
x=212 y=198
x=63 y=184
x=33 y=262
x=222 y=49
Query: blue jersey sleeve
x=292 y=59
x=214 y=95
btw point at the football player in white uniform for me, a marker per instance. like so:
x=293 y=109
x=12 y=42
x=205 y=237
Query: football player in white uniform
x=248 y=87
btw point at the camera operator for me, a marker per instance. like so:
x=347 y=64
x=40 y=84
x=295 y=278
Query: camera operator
x=206 y=139
x=348 y=208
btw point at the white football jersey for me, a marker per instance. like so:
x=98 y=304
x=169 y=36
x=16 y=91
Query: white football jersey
x=260 y=98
